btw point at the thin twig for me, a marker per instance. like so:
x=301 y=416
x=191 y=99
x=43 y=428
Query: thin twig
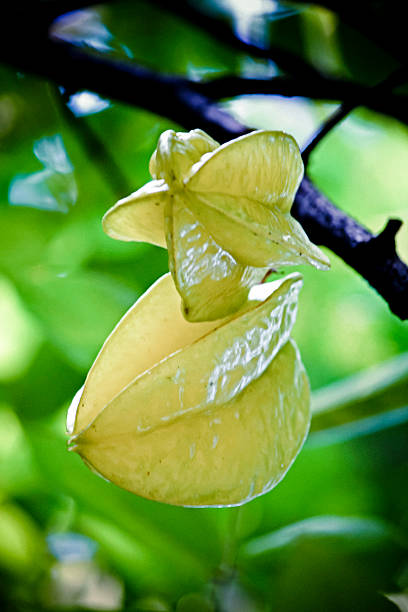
x=398 y=77
x=334 y=119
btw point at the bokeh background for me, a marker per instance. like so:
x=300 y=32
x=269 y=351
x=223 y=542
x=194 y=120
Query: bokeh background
x=334 y=534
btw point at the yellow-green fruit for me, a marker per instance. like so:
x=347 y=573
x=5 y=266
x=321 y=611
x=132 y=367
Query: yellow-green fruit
x=265 y=166
x=254 y=234
x=213 y=284
x=139 y=216
x=214 y=416
x=177 y=151
x=152 y=329
x=232 y=202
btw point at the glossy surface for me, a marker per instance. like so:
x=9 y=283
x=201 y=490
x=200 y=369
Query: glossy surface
x=213 y=284
x=226 y=455
x=150 y=331
x=264 y=166
x=254 y=234
x=213 y=416
x=231 y=208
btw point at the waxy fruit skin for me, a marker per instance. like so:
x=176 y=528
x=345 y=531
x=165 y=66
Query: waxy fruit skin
x=226 y=208
x=196 y=414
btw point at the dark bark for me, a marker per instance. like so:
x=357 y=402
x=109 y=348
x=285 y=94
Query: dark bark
x=384 y=87
x=373 y=257
x=318 y=88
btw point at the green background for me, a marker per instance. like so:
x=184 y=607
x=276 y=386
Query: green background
x=333 y=534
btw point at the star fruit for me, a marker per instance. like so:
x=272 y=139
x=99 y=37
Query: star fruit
x=222 y=211
x=196 y=414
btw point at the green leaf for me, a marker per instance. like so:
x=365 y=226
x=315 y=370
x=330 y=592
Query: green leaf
x=21 y=543
x=27 y=394
x=355 y=532
x=16 y=470
x=172 y=536
x=19 y=333
x=366 y=402
x=77 y=311
x=133 y=559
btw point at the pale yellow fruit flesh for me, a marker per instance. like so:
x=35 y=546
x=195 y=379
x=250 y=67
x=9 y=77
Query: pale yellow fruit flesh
x=150 y=331
x=210 y=281
x=240 y=192
x=141 y=364
x=140 y=216
x=176 y=152
x=115 y=415
x=254 y=234
x=265 y=166
x=226 y=454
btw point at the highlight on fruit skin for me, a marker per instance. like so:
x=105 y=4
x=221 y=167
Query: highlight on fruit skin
x=196 y=414
x=222 y=211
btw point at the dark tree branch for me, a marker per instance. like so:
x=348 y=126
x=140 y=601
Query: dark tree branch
x=76 y=69
x=309 y=82
x=221 y=29
x=320 y=88
x=374 y=257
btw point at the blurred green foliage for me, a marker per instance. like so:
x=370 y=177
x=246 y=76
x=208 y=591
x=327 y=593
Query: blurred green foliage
x=333 y=535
